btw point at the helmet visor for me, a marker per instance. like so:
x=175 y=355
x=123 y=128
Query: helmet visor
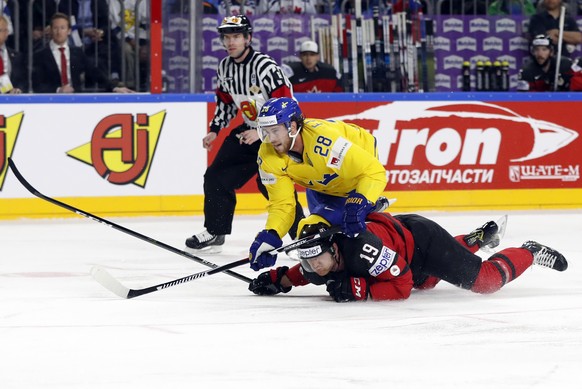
x=274 y=133
x=307 y=254
x=265 y=121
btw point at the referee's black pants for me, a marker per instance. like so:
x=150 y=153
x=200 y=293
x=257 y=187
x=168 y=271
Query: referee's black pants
x=235 y=164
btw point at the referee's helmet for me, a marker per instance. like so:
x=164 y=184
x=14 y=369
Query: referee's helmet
x=235 y=25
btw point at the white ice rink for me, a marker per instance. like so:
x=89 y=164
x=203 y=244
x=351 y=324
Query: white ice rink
x=61 y=329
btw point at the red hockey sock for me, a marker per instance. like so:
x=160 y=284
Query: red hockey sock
x=429 y=283
x=462 y=242
x=501 y=268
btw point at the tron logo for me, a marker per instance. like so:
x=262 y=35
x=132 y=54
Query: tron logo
x=122 y=150
x=9 y=129
x=546 y=137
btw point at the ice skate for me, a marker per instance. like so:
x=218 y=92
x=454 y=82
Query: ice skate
x=488 y=236
x=546 y=256
x=205 y=242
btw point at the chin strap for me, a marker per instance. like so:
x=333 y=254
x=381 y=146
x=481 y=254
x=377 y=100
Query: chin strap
x=293 y=137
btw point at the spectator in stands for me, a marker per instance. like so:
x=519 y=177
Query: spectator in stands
x=547 y=21
x=288 y=7
x=237 y=7
x=6 y=12
x=59 y=68
x=134 y=38
x=41 y=13
x=222 y=7
x=539 y=75
x=12 y=69
x=511 y=7
x=208 y=7
x=91 y=31
x=42 y=10
x=311 y=75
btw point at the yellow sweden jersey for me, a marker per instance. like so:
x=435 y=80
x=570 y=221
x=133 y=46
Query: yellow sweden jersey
x=338 y=157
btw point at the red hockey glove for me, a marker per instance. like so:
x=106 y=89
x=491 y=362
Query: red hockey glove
x=348 y=289
x=269 y=282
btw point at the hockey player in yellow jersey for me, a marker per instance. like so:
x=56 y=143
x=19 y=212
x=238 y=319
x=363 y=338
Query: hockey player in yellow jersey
x=336 y=162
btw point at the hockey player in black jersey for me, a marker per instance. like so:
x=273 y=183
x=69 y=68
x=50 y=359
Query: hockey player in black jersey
x=398 y=253
x=310 y=75
x=540 y=73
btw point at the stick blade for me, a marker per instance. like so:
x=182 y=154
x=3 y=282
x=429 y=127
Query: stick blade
x=104 y=278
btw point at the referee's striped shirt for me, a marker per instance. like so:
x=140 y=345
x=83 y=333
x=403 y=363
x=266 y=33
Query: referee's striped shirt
x=246 y=86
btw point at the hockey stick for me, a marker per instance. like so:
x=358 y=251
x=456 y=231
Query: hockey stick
x=109 y=282
x=118 y=227
x=104 y=278
x=423 y=64
x=360 y=61
x=560 y=43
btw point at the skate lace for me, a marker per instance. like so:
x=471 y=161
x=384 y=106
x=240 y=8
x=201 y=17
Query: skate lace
x=545 y=258
x=204 y=236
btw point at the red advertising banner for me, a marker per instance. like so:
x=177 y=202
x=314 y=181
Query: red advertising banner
x=465 y=145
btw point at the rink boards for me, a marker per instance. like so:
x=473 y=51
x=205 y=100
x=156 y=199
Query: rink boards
x=142 y=154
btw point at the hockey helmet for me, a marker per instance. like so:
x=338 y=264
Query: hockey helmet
x=541 y=40
x=235 y=25
x=281 y=110
x=316 y=247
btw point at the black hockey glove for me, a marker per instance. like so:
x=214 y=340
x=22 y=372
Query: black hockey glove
x=348 y=289
x=269 y=282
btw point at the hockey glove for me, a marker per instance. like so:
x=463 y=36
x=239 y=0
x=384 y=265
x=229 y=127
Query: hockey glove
x=269 y=282
x=356 y=209
x=258 y=254
x=348 y=289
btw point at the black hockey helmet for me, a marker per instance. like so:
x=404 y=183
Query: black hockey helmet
x=235 y=25
x=315 y=247
x=541 y=40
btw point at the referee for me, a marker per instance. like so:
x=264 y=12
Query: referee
x=246 y=79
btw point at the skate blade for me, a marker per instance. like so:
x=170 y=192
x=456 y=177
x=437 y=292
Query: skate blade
x=502 y=225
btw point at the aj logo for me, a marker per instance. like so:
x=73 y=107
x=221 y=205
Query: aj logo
x=9 y=129
x=122 y=150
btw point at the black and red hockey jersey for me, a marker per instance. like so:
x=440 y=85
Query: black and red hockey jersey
x=381 y=255
x=324 y=79
x=533 y=78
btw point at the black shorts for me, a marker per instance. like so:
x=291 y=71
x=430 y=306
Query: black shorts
x=437 y=253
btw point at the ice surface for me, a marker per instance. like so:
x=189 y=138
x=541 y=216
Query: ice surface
x=61 y=329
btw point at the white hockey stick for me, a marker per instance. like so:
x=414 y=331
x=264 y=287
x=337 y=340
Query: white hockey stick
x=560 y=41
x=109 y=282
x=104 y=278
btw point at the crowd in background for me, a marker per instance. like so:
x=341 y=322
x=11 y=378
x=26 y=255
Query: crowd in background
x=466 y=7
x=113 y=34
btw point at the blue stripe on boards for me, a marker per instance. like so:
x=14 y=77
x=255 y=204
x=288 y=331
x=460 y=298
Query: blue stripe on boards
x=301 y=97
